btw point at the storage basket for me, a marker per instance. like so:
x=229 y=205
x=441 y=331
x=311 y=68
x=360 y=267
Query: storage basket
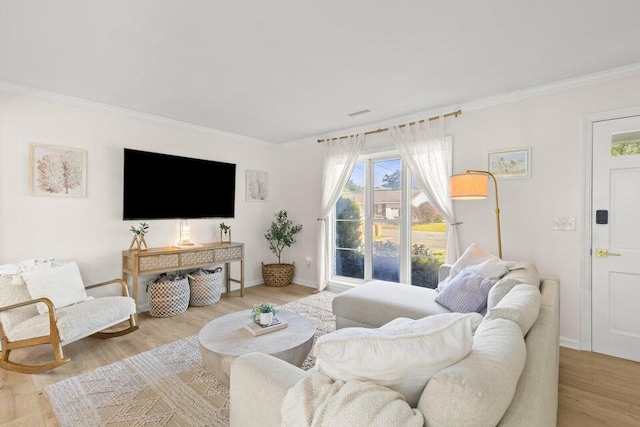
x=168 y=296
x=277 y=274
x=206 y=287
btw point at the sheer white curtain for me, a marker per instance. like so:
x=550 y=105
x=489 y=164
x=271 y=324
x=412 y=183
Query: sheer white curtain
x=423 y=148
x=339 y=158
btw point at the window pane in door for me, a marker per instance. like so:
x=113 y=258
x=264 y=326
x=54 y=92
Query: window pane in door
x=349 y=244
x=625 y=144
x=387 y=199
x=386 y=253
x=386 y=193
x=428 y=241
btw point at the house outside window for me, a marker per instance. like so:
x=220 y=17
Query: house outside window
x=374 y=239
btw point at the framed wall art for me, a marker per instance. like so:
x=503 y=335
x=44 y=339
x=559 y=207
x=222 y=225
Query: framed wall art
x=57 y=171
x=257 y=186
x=511 y=163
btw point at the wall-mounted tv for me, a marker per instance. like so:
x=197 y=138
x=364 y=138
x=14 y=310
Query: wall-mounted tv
x=163 y=186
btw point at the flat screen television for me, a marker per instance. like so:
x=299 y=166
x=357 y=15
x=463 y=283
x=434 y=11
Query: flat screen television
x=163 y=186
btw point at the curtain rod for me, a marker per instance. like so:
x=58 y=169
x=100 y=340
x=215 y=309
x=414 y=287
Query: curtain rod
x=453 y=113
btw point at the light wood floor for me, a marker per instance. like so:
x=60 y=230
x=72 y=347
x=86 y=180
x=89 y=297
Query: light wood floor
x=595 y=390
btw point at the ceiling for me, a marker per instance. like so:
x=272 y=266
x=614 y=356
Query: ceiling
x=285 y=70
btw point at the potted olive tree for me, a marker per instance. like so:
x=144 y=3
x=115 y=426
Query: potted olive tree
x=281 y=234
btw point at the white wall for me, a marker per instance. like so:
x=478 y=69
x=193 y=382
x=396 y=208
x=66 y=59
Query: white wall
x=91 y=230
x=551 y=125
x=301 y=186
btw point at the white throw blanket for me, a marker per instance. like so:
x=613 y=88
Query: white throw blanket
x=318 y=401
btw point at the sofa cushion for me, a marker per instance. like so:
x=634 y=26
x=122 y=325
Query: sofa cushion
x=467 y=292
x=484 y=263
x=62 y=285
x=477 y=390
x=521 y=272
x=391 y=300
x=521 y=305
x=402 y=355
x=79 y=320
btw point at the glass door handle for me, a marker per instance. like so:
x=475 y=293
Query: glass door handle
x=605 y=253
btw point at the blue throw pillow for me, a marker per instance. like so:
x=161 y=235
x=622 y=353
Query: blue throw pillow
x=467 y=292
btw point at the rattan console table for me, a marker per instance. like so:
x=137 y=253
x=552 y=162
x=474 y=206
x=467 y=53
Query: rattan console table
x=161 y=260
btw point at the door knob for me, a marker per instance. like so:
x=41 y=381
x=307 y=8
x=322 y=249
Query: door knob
x=605 y=253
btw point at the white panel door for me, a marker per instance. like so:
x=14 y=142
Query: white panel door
x=615 y=249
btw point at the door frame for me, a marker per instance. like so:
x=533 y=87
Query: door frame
x=585 y=245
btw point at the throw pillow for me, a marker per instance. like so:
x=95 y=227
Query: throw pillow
x=9 y=269
x=13 y=290
x=521 y=305
x=62 y=285
x=467 y=292
x=485 y=262
x=401 y=355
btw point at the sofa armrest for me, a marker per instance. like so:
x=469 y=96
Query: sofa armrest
x=443 y=272
x=257 y=388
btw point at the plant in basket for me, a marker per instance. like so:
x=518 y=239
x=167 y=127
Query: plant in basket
x=281 y=234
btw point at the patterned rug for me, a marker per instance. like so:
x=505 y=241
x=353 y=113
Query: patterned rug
x=166 y=386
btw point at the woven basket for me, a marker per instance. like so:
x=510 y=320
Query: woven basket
x=206 y=287
x=277 y=274
x=168 y=296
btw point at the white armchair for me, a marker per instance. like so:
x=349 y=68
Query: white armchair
x=29 y=316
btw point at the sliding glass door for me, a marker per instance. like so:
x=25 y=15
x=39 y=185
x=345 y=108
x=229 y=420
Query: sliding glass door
x=385 y=228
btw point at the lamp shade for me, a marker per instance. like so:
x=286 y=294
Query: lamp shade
x=468 y=186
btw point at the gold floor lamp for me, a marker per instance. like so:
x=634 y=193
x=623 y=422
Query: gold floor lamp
x=472 y=185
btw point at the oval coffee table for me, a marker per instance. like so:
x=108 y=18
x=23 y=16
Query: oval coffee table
x=225 y=338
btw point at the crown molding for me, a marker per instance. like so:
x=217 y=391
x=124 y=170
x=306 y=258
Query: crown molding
x=574 y=82
x=585 y=80
x=588 y=79
x=123 y=112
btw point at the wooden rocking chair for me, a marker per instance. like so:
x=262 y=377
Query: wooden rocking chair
x=21 y=326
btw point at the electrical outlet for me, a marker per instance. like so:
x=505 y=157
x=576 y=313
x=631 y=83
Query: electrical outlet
x=563 y=223
x=308 y=262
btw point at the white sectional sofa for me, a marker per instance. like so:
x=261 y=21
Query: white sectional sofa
x=504 y=380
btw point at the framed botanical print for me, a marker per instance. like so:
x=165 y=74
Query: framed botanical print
x=57 y=171
x=257 y=186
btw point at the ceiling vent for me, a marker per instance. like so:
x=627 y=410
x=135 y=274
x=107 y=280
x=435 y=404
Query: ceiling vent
x=357 y=113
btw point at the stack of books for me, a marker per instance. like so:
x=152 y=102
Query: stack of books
x=257 y=329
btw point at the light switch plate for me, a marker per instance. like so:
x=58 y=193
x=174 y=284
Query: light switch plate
x=564 y=223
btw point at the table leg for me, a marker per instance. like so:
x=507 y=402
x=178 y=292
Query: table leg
x=242 y=277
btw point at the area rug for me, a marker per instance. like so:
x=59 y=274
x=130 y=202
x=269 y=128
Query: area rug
x=166 y=386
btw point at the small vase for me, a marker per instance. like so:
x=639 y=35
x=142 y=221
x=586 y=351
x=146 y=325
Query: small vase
x=266 y=318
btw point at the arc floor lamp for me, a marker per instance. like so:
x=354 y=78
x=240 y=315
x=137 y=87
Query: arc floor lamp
x=472 y=185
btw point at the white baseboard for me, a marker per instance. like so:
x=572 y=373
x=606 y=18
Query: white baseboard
x=303 y=282
x=337 y=288
x=569 y=343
